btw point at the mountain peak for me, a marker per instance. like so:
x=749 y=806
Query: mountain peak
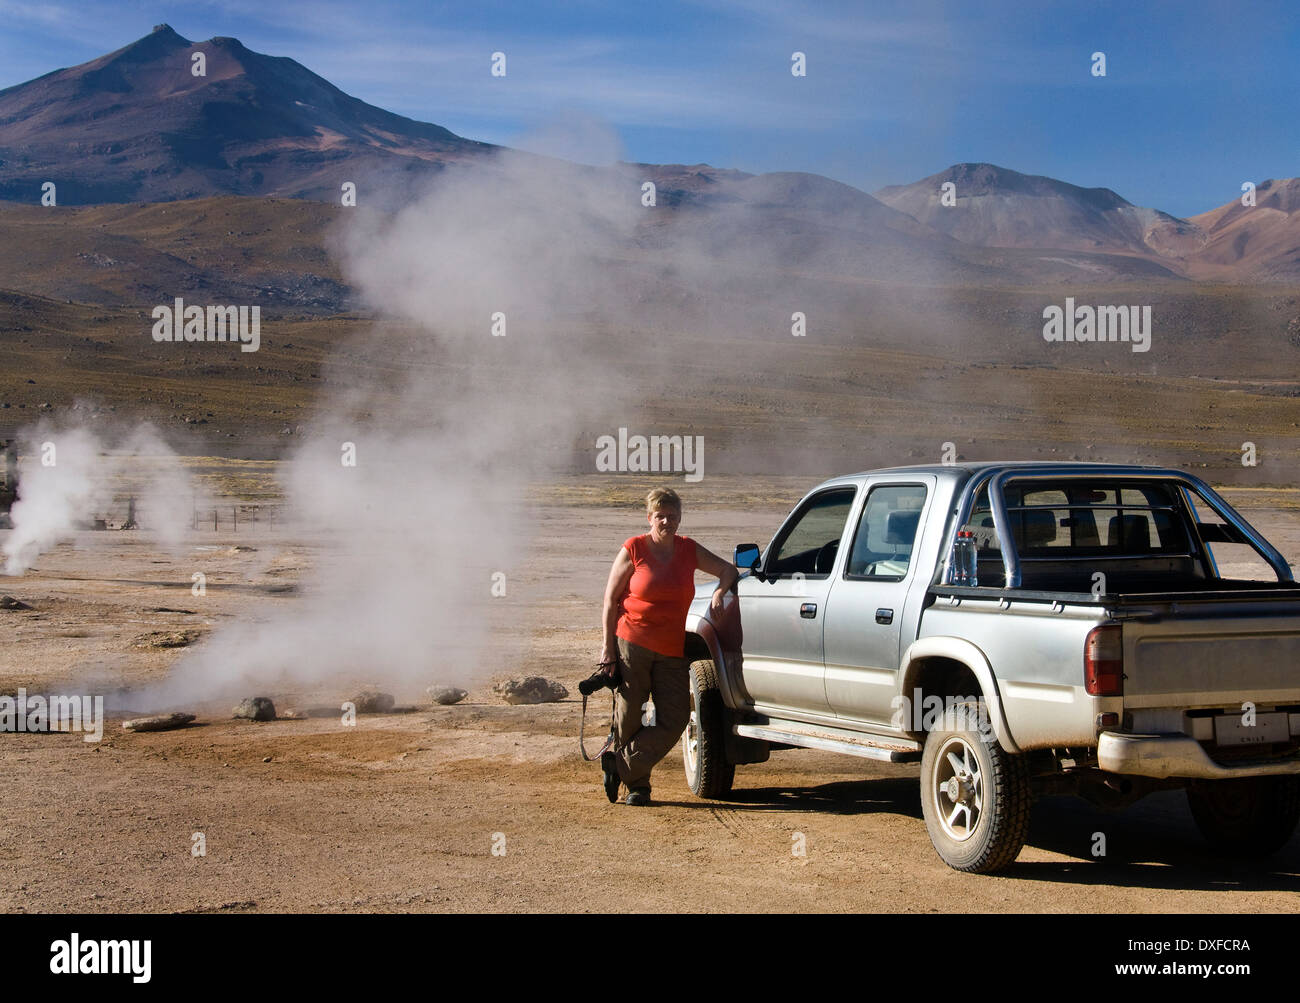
x=162 y=39
x=997 y=207
x=148 y=122
x=1259 y=240
x=975 y=179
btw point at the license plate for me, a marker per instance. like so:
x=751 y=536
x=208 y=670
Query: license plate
x=1229 y=729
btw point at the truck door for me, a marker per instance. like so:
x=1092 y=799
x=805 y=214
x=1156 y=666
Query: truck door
x=868 y=607
x=783 y=612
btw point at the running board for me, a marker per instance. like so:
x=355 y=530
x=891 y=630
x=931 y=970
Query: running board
x=888 y=750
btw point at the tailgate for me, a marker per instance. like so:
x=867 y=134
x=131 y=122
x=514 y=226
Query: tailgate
x=1213 y=654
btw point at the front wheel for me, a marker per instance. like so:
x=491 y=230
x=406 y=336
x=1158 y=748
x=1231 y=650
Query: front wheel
x=708 y=774
x=974 y=795
x=1248 y=816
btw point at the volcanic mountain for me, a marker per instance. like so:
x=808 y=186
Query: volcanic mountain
x=1259 y=242
x=138 y=125
x=997 y=207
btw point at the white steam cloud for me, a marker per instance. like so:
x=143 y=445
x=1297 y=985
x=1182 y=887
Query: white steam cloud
x=72 y=475
x=447 y=427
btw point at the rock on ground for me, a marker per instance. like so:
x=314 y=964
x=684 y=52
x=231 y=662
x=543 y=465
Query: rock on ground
x=159 y=722
x=532 y=689
x=373 y=702
x=9 y=602
x=168 y=639
x=446 y=694
x=256 y=709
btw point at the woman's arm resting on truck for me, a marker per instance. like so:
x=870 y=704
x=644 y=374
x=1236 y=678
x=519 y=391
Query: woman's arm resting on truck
x=712 y=564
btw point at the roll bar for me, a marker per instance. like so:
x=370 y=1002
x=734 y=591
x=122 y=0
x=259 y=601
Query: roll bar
x=997 y=481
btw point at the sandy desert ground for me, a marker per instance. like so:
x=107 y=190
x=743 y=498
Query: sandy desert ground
x=484 y=806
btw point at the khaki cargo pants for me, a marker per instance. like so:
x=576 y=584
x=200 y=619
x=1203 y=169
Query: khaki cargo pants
x=648 y=674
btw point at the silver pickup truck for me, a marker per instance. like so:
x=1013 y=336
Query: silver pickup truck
x=1126 y=631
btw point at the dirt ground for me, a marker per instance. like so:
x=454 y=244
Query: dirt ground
x=484 y=806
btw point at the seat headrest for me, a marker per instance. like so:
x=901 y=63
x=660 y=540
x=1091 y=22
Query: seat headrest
x=900 y=526
x=1134 y=534
x=1037 y=529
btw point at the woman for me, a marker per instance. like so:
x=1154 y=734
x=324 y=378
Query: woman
x=650 y=589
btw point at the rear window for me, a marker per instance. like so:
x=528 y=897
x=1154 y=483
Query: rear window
x=887 y=531
x=1090 y=518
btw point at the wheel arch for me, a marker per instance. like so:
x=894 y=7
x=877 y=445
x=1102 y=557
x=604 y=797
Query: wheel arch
x=933 y=664
x=702 y=642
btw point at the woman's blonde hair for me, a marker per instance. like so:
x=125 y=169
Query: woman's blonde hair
x=661 y=497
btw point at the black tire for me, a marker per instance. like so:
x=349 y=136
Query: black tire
x=708 y=774
x=1246 y=817
x=978 y=815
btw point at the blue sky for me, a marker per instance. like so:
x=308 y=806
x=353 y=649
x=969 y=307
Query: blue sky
x=1198 y=96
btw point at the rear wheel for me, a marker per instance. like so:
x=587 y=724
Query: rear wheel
x=974 y=795
x=1246 y=817
x=708 y=773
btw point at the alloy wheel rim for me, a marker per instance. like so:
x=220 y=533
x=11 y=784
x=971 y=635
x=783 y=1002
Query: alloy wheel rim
x=958 y=789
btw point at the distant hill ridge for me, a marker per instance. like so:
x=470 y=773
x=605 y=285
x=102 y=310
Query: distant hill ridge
x=137 y=125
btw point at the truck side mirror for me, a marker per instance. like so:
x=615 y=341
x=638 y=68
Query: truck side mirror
x=747 y=556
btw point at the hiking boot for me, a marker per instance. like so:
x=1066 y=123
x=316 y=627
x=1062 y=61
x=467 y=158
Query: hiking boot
x=609 y=763
x=638 y=796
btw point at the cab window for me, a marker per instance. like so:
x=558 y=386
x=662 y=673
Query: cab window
x=887 y=532
x=810 y=544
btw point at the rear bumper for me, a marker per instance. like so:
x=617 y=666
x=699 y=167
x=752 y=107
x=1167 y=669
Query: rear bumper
x=1178 y=756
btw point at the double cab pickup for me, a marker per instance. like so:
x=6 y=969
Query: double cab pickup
x=1020 y=630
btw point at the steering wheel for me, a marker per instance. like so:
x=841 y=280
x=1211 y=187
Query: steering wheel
x=826 y=558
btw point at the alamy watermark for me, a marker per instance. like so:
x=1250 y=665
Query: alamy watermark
x=75 y=956
x=1102 y=323
x=213 y=323
x=651 y=454
x=927 y=712
x=56 y=712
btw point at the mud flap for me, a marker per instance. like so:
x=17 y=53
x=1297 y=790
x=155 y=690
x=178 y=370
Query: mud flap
x=740 y=751
x=737 y=749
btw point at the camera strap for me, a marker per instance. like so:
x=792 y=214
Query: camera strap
x=609 y=742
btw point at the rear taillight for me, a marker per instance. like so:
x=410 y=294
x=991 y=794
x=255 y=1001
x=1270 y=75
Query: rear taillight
x=1103 y=661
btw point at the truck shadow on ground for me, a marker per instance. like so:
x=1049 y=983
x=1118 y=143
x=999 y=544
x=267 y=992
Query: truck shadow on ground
x=846 y=797
x=1153 y=844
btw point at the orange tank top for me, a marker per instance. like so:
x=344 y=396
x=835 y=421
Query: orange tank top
x=658 y=596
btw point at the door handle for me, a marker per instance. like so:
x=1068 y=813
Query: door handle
x=808 y=611
x=884 y=616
